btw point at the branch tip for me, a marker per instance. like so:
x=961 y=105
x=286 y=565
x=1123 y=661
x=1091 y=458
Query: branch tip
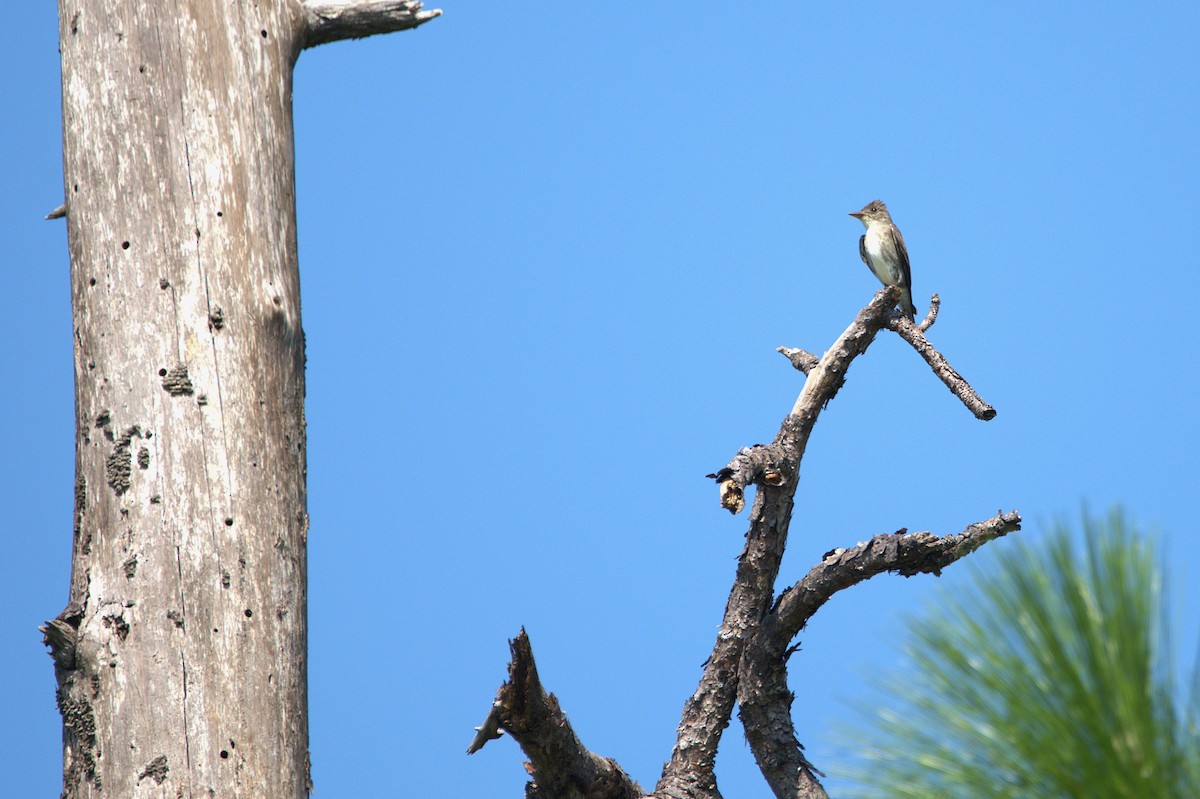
x=935 y=302
x=915 y=336
x=559 y=764
x=802 y=360
x=330 y=22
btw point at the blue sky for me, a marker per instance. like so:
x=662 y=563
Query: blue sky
x=547 y=252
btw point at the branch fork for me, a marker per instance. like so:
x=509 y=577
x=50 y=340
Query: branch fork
x=748 y=664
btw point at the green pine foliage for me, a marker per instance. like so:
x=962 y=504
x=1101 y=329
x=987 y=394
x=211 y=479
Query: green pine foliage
x=1050 y=676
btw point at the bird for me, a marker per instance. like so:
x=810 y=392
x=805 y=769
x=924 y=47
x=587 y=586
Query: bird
x=882 y=250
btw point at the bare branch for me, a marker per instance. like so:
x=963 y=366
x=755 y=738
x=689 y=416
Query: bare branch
x=764 y=699
x=803 y=360
x=765 y=708
x=488 y=731
x=908 y=554
x=827 y=378
x=935 y=303
x=332 y=22
x=769 y=465
x=758 y=464
x=560 y=766
x=941 y=367
x=775 y=468
x=689 y=774
x=748 y=660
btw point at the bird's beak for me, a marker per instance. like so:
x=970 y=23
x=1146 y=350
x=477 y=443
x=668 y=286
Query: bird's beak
x=856 y=214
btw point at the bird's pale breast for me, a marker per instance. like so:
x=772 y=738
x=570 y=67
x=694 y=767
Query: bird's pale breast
x=881 y=257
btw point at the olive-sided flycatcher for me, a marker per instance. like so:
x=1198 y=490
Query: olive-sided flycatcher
x=882 y=250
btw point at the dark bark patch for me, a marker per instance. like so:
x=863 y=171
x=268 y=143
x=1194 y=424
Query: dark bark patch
x=156 y=770
x=118 y=625
x=130 y=567
x=118 y=469
x=80 y=723
x=119 y=465
x=80 y=501
x=176 y=381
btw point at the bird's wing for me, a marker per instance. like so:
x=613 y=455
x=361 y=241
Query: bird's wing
x=862 y=249
x=896 y=240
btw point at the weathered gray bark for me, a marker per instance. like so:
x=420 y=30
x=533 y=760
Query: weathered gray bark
x=188 y=578
x=181 y=656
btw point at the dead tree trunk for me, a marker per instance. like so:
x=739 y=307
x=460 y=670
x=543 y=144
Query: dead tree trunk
x=181 y=655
